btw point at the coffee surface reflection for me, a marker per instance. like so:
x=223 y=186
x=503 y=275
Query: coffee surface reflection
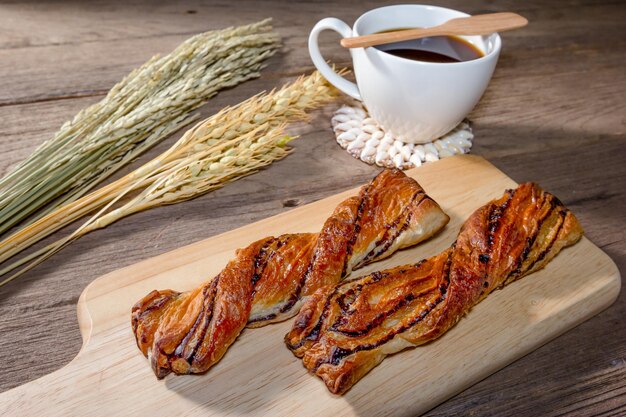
x=439 y=49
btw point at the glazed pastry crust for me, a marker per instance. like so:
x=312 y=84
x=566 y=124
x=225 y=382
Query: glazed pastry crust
x=268 y=280
x=343 y=331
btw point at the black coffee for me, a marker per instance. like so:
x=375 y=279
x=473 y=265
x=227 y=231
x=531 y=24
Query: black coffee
x=442 y=49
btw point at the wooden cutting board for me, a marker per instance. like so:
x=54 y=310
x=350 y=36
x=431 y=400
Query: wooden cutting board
x=259 y=376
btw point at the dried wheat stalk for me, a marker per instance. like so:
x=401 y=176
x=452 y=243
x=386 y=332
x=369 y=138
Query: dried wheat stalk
x=233 y=143
x=148 y=105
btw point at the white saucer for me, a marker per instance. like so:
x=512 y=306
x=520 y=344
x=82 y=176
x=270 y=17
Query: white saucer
x=366 y=140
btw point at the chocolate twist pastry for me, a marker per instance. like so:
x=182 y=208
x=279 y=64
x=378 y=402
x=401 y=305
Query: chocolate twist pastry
x=344 y=331
x=267 y=281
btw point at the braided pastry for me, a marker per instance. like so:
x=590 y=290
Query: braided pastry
x=344 y=331
x=267 y=281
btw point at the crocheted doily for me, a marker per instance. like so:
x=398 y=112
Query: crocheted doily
x=364 y=139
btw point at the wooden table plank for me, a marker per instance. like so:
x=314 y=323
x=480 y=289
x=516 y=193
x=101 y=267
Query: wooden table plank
x=554 y=113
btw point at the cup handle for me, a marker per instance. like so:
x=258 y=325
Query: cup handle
x=335 y=79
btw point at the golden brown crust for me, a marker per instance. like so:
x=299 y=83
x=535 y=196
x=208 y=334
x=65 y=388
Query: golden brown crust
x=343 y=331
x=266 y=281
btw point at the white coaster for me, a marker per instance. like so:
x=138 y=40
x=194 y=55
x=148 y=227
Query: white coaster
x=364 y=139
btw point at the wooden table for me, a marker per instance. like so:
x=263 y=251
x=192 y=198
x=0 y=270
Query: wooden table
x=554 y=113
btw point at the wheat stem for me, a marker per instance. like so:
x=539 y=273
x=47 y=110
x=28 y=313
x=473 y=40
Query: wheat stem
x=149 y=104
x=229 y=145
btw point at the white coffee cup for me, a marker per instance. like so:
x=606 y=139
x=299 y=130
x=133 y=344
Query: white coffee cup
x=416 y=101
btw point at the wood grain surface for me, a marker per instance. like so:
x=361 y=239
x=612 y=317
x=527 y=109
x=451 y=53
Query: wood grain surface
x=575 y=286
x=553 y=113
